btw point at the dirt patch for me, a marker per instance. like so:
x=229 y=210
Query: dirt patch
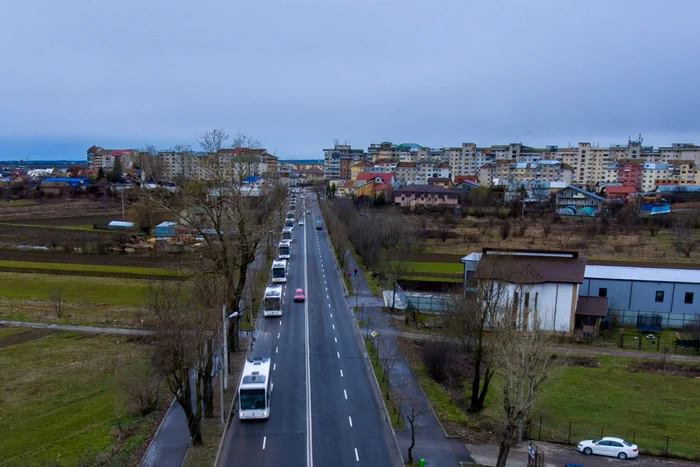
x=25 y=336
x=664 y=367
x=55 y=256
x=587 y=362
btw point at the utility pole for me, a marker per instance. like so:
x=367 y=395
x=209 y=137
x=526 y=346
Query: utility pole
x=123 y=216
x=224 y=331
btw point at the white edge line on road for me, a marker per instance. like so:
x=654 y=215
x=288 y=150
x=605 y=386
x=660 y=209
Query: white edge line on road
x=350 y=420
x=357 y=456
x=346 y=394
x=264 y=441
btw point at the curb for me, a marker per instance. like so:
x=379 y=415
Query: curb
x=228 y=423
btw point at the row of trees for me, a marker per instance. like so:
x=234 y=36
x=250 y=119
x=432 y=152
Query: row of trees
x=187 y=316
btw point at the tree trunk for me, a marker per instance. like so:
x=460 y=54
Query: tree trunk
x=193 y=419
x=393 y=298
x=476 y=382
x=485 y=388
x=208 y=385
x=504 y=447
x=413 y=439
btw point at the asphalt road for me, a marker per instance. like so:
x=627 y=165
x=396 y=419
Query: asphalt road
x=337 y=419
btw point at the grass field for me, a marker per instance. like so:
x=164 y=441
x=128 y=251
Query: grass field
x=644 y=406
x=396 y=420
x=18 y=203
x=436 y=268
x=57 y=227
x=89 y=268
x=62 y=405
x=107 y=290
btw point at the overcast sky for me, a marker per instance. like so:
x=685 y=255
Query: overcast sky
x=298 y=74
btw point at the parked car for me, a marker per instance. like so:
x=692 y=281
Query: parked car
x=299 y=295
x=609 y=446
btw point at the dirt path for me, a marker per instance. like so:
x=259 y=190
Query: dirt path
x=25 y=336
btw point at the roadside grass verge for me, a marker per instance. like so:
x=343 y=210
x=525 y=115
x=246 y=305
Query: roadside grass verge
x=89 y=268
x=82 y=289
x=638 y=406
x=62 y=406
x=393 y=408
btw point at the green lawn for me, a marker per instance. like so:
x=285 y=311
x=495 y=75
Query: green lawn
x=444 y=268
x=89 y=268
x=62 y=405
x=640 y=406
x=645 y=406
x=396 y=420
x=107 y=290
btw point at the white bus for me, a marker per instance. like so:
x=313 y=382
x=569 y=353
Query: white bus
x=279 y=270
x=254 y=390
x=287 y=234
x=285 y=249
x=272 y=303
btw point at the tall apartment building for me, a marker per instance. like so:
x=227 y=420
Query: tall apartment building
x=629 y=172
x=406 y=173
x=332 y=157
x=100 y=158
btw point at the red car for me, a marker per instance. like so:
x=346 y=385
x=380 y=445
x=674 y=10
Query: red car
x=299 y=295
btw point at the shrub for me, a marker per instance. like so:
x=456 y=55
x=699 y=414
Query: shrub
x=505 y=229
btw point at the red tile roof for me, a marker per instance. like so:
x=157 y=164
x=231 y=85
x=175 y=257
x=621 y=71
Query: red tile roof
x=385 y=176
x=619 y=190
x=463 y=178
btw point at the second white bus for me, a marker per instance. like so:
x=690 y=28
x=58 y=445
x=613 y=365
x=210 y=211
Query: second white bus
x=272 y=302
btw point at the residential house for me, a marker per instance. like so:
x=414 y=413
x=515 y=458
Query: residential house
x=575 y=201
x=425 y=196
x=465 y=186
x=540 y=286
x=461 y=178
x=359 y=167
x=311 y=175
x=619 y=192
x=438 y=181
x=384 y=182
x=354 y=188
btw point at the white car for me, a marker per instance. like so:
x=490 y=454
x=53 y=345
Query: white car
x=301 y=222
x=609 y=446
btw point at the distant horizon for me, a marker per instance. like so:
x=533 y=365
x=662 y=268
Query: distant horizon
x=68 y=151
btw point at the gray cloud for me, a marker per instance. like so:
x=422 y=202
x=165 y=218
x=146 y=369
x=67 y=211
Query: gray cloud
x=299 y=74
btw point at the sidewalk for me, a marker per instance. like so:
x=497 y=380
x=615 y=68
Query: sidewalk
x=431 y=442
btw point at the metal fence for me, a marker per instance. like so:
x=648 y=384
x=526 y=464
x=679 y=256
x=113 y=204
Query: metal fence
x=570 y=433
x=424 y=302
x=668 y=320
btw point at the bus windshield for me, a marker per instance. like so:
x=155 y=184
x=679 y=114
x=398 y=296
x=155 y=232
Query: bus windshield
x=272 y=303
x=278 y=273
x=252 y=399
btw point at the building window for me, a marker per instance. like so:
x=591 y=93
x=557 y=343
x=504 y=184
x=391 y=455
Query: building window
x=527 y=299
x=689 y=298
x=659 y=296
x=603 y=292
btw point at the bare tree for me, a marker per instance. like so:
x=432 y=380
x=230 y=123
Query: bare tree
x=525 y=359
x=396 y=264
x=185 y=339
x=147 y=213
x=229 y=214
x=684 y=241
x=413 y=409
x=693 y=328
x=388 y=358
x=56 y=297
x=150 y=163
x=140 y=385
